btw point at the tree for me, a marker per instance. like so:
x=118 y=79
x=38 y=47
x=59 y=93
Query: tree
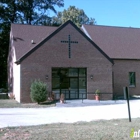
x=56 y=20
x=25 y=12
x=35 y=11
x=74 y=14
x=4 y=43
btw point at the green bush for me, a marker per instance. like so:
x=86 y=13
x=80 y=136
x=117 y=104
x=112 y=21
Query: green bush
x=38 y=91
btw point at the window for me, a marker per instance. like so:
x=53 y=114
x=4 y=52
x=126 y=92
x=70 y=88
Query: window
x=132 y=79
x=73 y=72
x=70 y=81
x=82 y=72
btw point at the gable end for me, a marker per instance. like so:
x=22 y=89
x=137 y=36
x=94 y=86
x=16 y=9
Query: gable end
x=55 y=32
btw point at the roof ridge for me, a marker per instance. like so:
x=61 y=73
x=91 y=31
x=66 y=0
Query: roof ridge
x=109 y=26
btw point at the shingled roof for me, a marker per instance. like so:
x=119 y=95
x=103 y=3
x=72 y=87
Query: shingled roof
x=24 y=34
x=116 y=42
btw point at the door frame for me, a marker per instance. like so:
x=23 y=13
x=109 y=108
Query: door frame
x=69 y=77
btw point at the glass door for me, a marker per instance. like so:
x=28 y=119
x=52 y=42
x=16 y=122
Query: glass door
x=73 y=89
x=70 y=81
x=64 y=87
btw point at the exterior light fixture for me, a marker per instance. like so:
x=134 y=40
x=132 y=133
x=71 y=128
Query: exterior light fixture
x=32 y=41
x=91 y=76
x=46 y=77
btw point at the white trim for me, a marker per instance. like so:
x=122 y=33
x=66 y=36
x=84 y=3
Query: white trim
x=85 y=31
x=16 y=79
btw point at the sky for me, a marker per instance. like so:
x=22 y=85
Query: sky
x=123 y=13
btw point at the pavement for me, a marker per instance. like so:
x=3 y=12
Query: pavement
x=70 y=112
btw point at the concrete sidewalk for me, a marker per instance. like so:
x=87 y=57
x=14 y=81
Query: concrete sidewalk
x=86 y=102
x=72 y=111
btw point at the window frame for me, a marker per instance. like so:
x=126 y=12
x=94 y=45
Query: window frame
x=78 y=76
x=132 y=79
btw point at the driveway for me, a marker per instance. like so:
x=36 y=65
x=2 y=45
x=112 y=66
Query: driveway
x=70 y=112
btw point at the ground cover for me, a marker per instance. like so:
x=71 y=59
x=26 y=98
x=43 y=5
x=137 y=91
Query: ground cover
x=11 y=103
x=95 y=130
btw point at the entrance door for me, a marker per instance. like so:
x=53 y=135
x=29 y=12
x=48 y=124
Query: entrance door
x=70 y=81
x=73 y=90
x=64 y=87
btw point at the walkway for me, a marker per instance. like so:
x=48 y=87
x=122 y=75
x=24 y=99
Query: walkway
x=72 y=111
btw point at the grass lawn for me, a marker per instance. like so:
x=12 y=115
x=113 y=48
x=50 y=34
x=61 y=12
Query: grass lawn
x=96 y=130
x=11 y=103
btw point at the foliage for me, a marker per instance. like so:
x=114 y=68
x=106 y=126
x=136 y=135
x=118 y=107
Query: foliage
x=4 y=45
x=11 y=103
x=56 y=20
x=74 y=14
x=97 y=92
x=38 y=91
x=7 y=15
x=27 y=11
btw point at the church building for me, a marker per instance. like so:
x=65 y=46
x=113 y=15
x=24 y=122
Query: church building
x=74 y=61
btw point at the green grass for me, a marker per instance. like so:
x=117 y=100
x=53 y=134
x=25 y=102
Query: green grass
x=95 y=130
x=11 y=103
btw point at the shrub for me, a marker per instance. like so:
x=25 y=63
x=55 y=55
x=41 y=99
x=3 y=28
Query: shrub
x=38 y=91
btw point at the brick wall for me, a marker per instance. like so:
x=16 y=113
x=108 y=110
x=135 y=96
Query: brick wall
x=53 y=53
x=121 y=71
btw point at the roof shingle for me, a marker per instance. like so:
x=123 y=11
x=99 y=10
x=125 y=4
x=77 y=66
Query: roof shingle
x=116 y=42
x=24 y=34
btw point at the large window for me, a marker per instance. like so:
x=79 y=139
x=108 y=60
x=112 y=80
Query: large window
x=132 y=79
x=70 y=81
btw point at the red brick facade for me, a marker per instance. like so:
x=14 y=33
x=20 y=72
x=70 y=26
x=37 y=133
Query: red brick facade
x=54 y=53
x=121 y=71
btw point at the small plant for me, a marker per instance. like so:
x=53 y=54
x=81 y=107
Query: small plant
x=51 y=97
x=97 y=96
x=11 y=96
x=62 y=98
x=38 y=91
x=97 y=92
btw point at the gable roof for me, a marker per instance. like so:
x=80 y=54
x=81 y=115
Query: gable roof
x=50 y=32
x=116 y=42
